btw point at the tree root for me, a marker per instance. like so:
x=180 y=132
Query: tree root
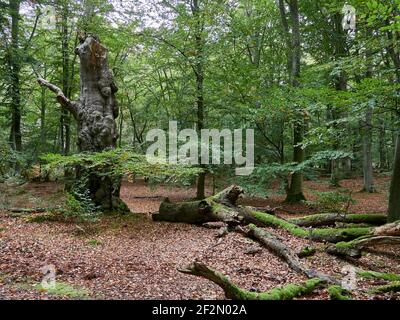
x=391 y=287
x=233 y=292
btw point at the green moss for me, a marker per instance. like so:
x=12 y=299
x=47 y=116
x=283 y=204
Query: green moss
x=94 y=242
x=329 y=234
x=391 y=287
x=338 y=293
x=64 y=290
x=379 y=275
x=339 y=234
x=376 y=219
x=273 y=221
x=290 y=291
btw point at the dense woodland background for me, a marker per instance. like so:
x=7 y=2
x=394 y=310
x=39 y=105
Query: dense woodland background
x=323 y=100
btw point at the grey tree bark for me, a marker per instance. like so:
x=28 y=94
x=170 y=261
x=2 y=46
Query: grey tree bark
x=95 y=113
x=295 y=191
x=394 y=196
x=199 y=73
x=367 y=152
x=15 y=67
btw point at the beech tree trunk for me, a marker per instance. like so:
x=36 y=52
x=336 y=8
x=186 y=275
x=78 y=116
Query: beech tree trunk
x=15 y=67
x=95 y=113
x=295 y=191
x=199 y=73
x=394 y=197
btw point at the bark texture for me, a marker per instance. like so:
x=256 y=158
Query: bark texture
x=95 y=113
x=233 y=292
x=394 y=197
x=15 y=68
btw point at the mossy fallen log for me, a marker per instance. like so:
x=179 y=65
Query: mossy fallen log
x=223 y=207
x=354 y=248
x=338 y=293
x=391 y=287
x=287 y=292
x=272 y=243
x=329 y=234
x=378 y=275
x=220 y=207
x=329 y=219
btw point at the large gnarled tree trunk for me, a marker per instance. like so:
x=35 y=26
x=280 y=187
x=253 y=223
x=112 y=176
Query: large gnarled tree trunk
x=95 y=113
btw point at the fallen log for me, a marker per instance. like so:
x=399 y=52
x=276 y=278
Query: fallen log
x=272 y=243
x=391 y=287
x=368 y=274
x=234 y=292
x=220 y=207
x=383 y=235
x=338 y=293
x=329 y=219
x=332 y=235
x=354 y=248
x=223 y=207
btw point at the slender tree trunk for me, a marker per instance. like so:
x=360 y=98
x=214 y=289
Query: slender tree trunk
x=43 y=119
x=295 y=192
x=65 y=131
x=199 y=71
x=382 y=147
x=394 y=195
x=15 y=67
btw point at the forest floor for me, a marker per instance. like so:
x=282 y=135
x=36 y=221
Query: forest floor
x=131 y=257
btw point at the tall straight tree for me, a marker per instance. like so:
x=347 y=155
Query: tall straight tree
x=199 y=73
x=14 y=72
x=394 y=194
x=65 y=131
x=292 y=30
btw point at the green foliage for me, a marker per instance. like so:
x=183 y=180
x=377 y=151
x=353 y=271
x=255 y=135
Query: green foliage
x=63 y=289
x=120 y=162
x=80 y=205
x=334 y=201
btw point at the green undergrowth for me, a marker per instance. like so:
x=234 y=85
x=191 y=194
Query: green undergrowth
x=378 y=275
x=328 y=234
x=63 y=289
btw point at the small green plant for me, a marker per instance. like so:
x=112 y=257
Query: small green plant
x=65 y=290
x=94 y=242
x=334 y=201
x=80 y=205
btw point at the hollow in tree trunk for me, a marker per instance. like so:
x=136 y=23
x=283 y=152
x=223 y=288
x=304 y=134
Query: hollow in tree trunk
x=95 y=113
